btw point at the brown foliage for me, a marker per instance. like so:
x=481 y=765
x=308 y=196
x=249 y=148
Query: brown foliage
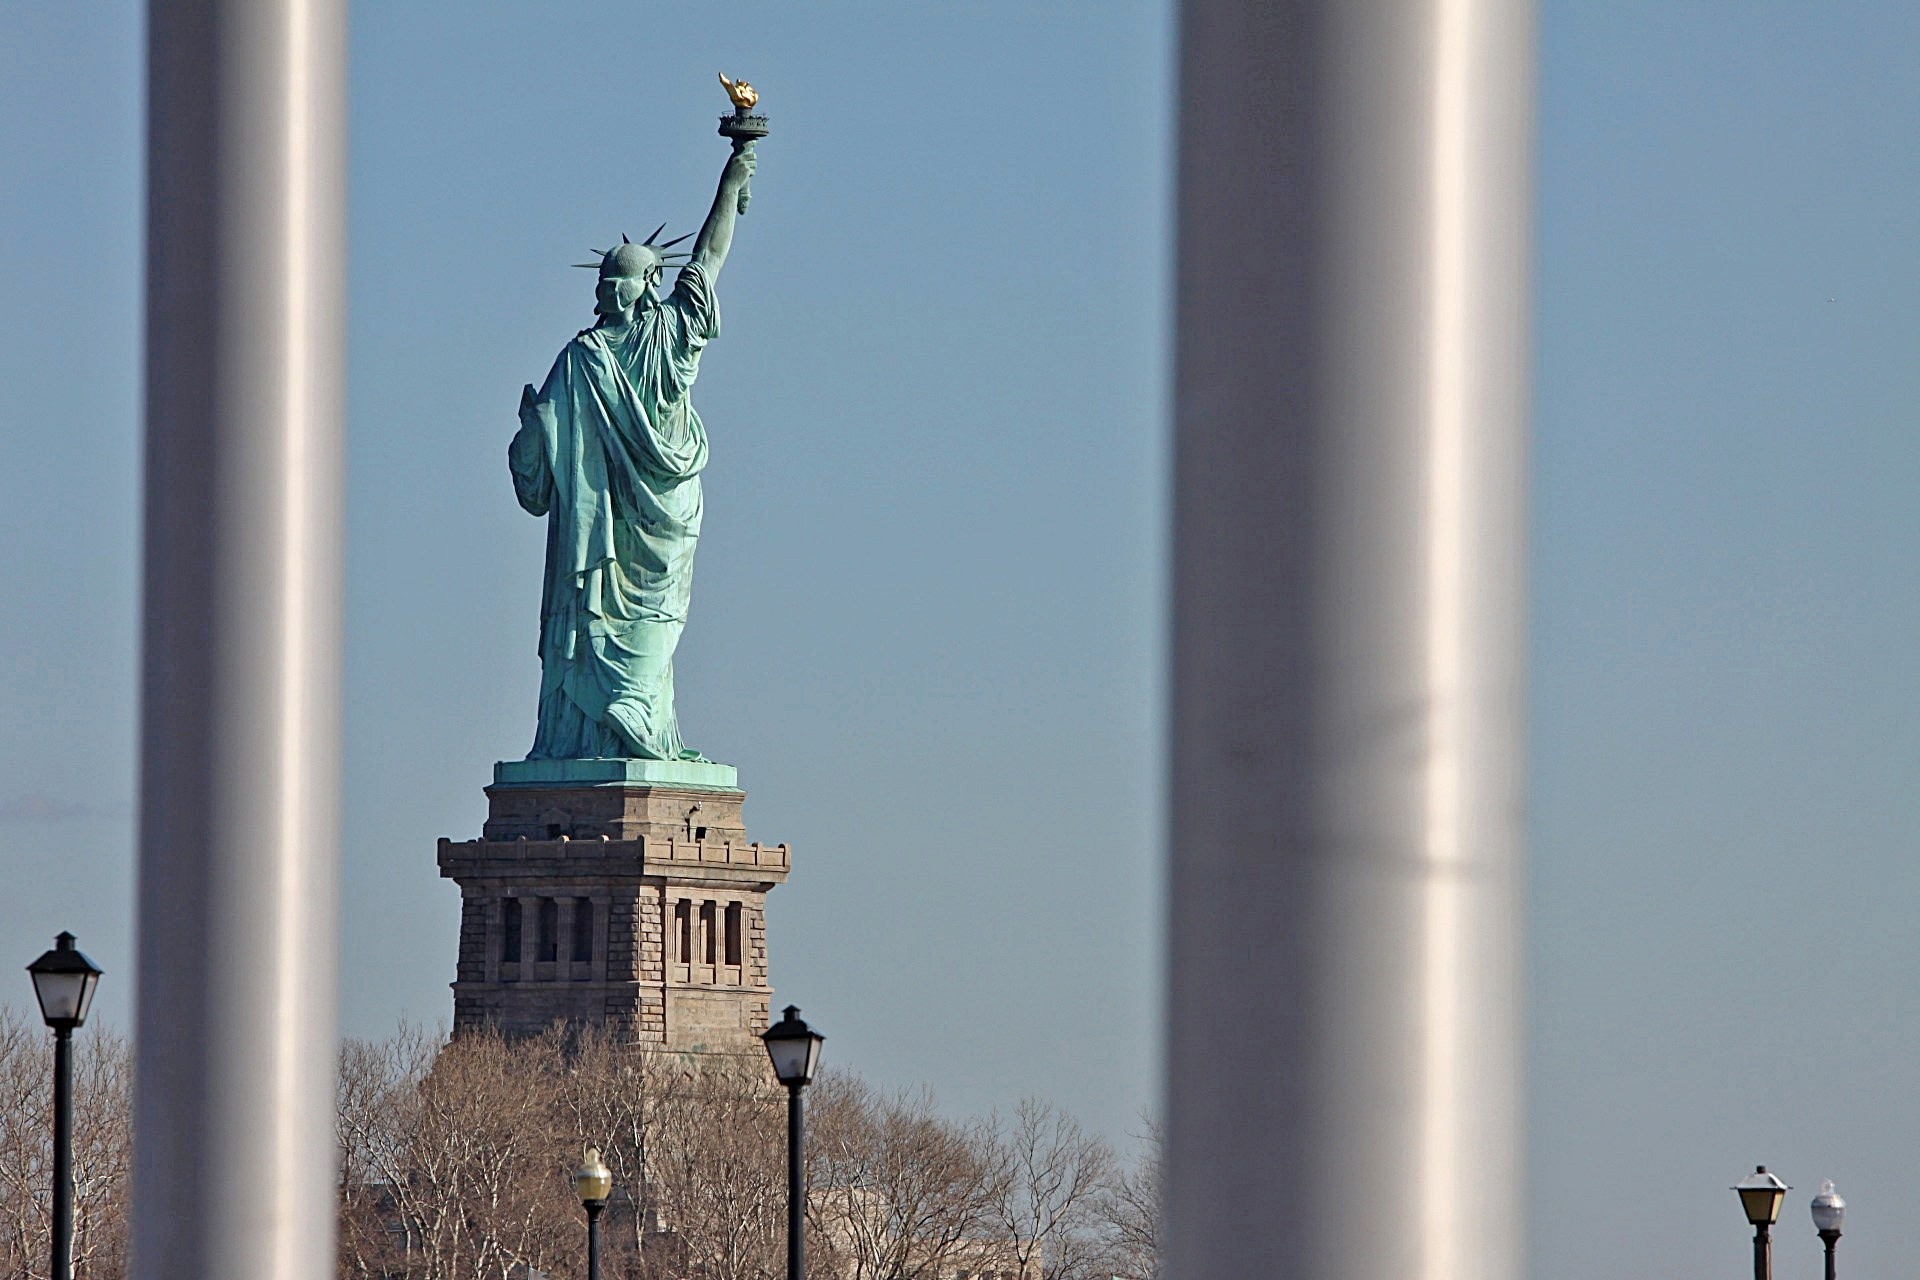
x=895 y=1191
x=453 y=1160
x=102 y=1150
x=456 y=1162
x=716 y=1170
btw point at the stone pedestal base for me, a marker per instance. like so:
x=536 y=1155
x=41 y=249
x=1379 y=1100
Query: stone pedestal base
x=601 y=899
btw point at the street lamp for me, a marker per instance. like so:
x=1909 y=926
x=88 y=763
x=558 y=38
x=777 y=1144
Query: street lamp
x=1760 y=1195
x=1828 y=1209
x=63 y=983
x=594 y=1181
x=795 y=1050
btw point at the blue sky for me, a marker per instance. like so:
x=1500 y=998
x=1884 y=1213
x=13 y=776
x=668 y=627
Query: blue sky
x=928 y=613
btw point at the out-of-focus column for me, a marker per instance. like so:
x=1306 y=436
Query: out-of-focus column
x=1346 y=827
x=239 y=736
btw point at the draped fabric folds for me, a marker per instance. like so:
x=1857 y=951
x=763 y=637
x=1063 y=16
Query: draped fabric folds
x=610 y=450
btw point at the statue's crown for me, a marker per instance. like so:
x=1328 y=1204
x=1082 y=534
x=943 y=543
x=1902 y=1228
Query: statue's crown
x=628 y=260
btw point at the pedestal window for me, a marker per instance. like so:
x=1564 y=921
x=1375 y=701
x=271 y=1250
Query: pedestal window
x=582 y=930
x=547 y=942
x=510 y=931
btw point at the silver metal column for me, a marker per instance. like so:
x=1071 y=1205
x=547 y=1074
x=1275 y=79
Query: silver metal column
x=245 y=254
x=1347 y=869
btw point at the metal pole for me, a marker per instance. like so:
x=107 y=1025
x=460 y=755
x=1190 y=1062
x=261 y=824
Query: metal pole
x=235 y=1035
x=593 y=1239
x=796 y=1185
x=62 y=1153
x=1763 y=1252
x=1343 y=1013
x=1830 y=1239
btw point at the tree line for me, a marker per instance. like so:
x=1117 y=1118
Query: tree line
x=455 y=1162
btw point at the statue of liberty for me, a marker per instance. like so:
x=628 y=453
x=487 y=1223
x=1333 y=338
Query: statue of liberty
x=610 y=451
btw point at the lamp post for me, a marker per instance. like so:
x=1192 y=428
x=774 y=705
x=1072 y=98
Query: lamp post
x=1828 y=1209
x=1760 y=1196
x=594 y=1181
x=795 y=1050
x=63 y=983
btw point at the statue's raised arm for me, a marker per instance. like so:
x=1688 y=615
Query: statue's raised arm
x=716 y=234
x=744 y=129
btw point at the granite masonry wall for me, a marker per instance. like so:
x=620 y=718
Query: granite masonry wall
x=637 y=908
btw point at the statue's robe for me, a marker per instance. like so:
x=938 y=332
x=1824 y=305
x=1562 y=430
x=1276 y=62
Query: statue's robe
x=610 y=450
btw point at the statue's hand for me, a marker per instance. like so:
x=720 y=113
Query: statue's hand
x=740 y=167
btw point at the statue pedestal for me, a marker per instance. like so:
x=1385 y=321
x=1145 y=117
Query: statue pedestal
x=620 y=894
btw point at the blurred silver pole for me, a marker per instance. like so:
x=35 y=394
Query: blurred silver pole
x=245 y=252
x=1349 y=656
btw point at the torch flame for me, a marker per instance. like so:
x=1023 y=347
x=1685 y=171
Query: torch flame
x=743 y=94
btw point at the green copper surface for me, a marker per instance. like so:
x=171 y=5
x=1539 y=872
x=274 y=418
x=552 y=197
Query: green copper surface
x=578 y=773
x=610 y=451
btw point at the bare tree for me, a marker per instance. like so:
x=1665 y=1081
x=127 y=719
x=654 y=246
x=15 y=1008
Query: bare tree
x=896 y=1192
x=1051 y=1176
x=102 y=1154
x=455 y=1159
x=606 y=1097
x=25 y=1170
x=451 y=1165
x=715 y=1169
x=1130 y=1207
x=102 y=1129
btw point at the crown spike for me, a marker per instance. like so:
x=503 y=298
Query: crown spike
x=656 y=232
x=623 y=238
x=676 y=240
